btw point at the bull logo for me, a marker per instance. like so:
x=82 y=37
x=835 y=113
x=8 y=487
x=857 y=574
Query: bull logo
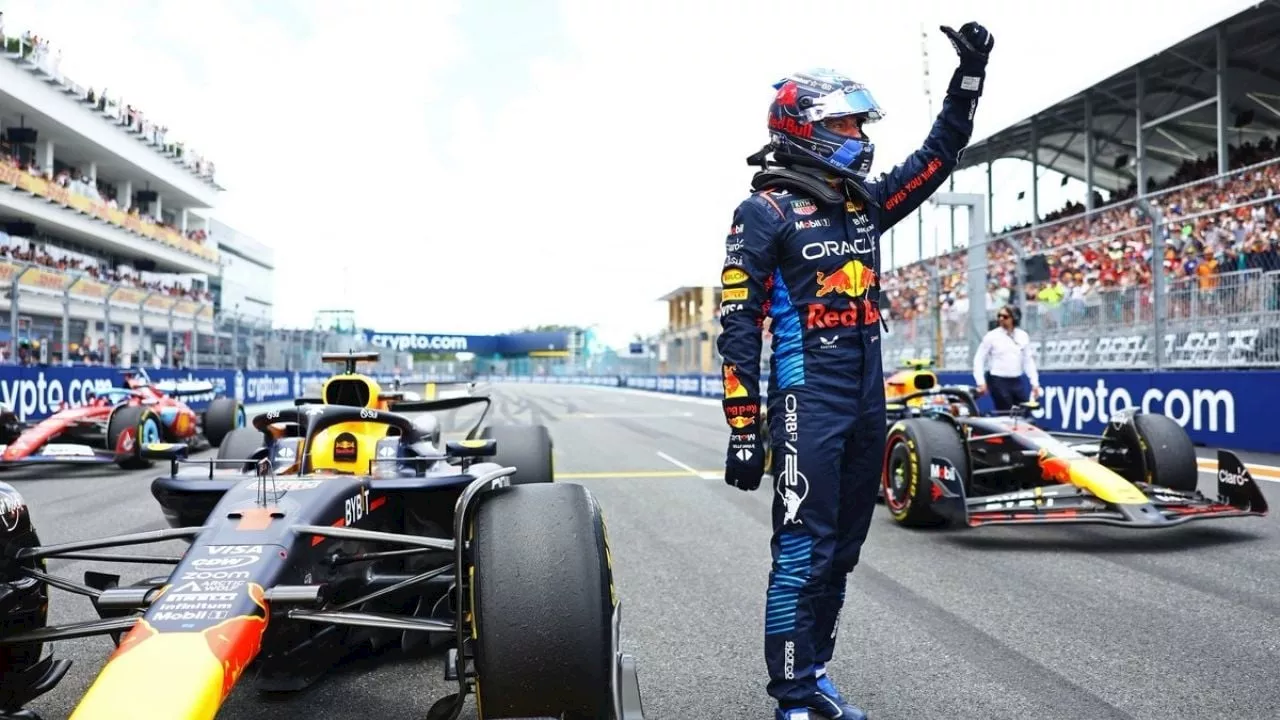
x=733 y=387
x=344 y=447
x=854 y=280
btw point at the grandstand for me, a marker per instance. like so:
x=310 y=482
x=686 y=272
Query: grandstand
x=101 y=258
x=1193 y=131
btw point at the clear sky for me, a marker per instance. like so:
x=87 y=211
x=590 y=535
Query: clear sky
x=505 y=163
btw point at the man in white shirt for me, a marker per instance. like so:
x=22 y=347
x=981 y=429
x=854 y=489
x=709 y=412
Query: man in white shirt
x=1002 y=359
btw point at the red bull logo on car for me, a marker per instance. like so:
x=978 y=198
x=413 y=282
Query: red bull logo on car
x=854 y=280
x=187 y=673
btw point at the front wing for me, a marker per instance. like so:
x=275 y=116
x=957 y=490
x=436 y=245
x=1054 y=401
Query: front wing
x=63 y=454
x=1238 y=495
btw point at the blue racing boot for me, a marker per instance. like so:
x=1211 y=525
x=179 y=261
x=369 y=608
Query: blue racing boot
x=848 y=711
x=843 y=711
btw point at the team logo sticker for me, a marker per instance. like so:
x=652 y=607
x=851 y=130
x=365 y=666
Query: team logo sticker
x=344 y=448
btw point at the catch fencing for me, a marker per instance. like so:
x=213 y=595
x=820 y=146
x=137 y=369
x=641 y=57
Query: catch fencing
x=1097 y=293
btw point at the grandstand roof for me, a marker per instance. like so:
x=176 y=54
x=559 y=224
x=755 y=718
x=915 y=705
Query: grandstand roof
x=681 y=292
x=1180 y=77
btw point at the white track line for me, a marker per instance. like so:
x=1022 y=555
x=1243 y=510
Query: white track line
x=689 y=468
x=1268 y=473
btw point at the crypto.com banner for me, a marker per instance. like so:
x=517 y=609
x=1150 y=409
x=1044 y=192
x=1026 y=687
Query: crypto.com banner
x=1233 y=410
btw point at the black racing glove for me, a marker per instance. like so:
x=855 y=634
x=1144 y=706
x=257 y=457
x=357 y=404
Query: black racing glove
x=745 y=462
x=973 y=43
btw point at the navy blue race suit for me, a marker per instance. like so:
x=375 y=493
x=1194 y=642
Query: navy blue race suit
x=813 y=268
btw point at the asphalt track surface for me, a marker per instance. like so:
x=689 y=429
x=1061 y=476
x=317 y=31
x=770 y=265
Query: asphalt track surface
x=1046 y=623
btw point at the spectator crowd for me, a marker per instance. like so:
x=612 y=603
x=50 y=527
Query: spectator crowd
x=38 y=51
x=63 y=260
x=1213 y=225
x=79 y=182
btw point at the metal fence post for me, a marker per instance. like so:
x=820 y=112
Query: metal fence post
x=106 y=320
x=1020 y=280
x=977 y=261
x=935 y=311
x=14 y=310
x=144 y=335
x=1157 y=280
x=977 y=280
x=66 y=323
x=168 y=341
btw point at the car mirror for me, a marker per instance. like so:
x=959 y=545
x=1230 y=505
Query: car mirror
x=165 y=451
x=471 y=448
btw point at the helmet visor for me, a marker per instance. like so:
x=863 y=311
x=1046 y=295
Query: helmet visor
x=853 y=101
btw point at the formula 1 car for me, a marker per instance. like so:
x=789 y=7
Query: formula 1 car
x=118 y=421
x=916 y=375
x=288 y=572
x=945 y=463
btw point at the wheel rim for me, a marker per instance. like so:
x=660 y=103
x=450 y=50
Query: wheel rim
x=897 y=488
x=150 y=431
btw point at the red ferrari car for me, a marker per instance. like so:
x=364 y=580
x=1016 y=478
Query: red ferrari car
x=117 y=422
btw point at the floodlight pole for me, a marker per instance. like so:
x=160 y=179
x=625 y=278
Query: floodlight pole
x=977 y=256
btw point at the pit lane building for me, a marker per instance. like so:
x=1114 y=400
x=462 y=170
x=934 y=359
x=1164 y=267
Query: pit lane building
x=106 y=251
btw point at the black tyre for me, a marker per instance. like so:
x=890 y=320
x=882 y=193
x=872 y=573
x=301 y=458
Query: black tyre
x=240 y=444
x=146 y=428
x=910 y=446
x=543 y=603
x=26 y=600
x=1160 y=453
x=527 y=448
x=221 y=417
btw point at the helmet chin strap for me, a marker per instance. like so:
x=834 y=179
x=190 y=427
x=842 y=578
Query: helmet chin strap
x=800 y=173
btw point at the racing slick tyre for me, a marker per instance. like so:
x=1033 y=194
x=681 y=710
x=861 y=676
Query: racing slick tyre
x=221 y=417
x=146 y=429
x=527 y=448
x=240 y=444
x=541 y=652
x=1160 y=453
x=24 y=606
x=909 y=448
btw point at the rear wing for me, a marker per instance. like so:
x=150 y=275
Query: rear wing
x=184 y=388
x=427 y=406
x=433 y=390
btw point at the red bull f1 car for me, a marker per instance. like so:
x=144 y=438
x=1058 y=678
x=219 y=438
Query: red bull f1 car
x=947 y=464
x=347 y=526
x=116 y=422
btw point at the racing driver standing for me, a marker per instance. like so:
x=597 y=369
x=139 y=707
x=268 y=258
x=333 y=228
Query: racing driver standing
x=803 y=251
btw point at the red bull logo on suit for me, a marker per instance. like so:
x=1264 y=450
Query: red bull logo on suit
x=854 y=279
